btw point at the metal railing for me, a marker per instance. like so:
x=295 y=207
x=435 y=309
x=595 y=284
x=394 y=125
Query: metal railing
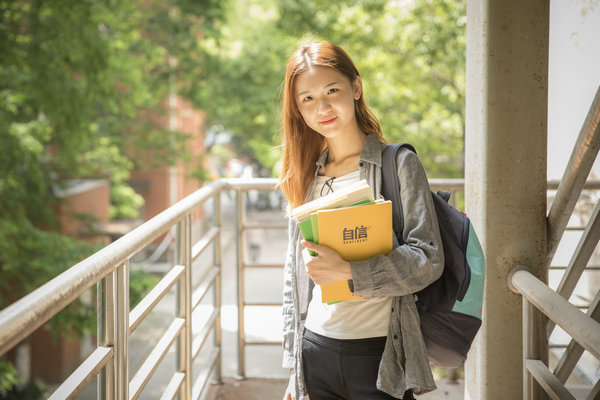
x=584 y=329
x=242 y=226
x=109 y=270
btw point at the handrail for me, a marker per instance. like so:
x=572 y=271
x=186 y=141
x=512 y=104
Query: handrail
x=109 y=268
x=578 y=168
x=30 y=312
x=584 y=330
x=580 y=327
x=27 y=314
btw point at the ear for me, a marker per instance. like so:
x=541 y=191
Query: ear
x=357 y=86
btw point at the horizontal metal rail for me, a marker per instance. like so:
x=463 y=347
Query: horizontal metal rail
x=583 y=329
x=447 y=184
x=264 y=343
x=201 y=337
x=83 y=375
x=263 y=303
x=579 y=326
x=548 y=381
x=147 y=304
x=564 y=267
x=589 y=184
x=173 y=386
x=265 y=226
x=206 y=240
x=144 y=373
x=262 y=266
x=203 y=288
x=27 y=314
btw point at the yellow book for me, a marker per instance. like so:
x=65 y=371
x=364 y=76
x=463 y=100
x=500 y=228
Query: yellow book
x=356 y=233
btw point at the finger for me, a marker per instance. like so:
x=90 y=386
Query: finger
x=308 y=245
x=317 y=248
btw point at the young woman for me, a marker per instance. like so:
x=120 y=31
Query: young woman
x=363 y=349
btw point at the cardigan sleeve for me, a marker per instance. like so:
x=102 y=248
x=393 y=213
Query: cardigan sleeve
x=288 y=318
x=412 y=266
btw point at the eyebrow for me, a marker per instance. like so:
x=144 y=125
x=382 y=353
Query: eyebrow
x=326 y=86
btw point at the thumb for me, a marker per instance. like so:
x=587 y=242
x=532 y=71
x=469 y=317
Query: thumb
x=311 y=246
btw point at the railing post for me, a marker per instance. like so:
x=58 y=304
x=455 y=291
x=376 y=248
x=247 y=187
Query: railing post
x=122 y=332
x=533 y=345
x=240 y=217
x=218 y=222
x=183 y=256
x=106 y=334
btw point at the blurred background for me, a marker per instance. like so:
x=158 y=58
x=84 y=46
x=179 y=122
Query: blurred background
x=111 y=111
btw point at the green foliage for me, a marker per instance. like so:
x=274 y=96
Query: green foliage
x=33 y=390
x=83 y=85
x=8 y=376
x=140 y=284
x=28 y=256
x=411 y=54
x=125 y=202
x=82 y=90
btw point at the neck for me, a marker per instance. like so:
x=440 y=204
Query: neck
x=344 y=146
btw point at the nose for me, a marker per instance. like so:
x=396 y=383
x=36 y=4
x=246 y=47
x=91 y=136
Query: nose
x=324 y=106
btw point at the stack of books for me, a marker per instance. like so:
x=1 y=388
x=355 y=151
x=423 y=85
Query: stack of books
x=351 y=222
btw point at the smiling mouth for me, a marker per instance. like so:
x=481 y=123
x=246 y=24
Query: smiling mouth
x=328 y=121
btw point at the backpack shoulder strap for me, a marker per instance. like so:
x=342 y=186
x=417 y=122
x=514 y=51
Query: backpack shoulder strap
x=390 y=187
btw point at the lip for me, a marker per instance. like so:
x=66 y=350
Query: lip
x=328 y=121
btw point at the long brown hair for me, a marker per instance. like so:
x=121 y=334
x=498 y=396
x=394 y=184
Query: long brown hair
x=301 y=144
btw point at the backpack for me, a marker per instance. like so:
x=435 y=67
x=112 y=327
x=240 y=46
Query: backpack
x=450 y=307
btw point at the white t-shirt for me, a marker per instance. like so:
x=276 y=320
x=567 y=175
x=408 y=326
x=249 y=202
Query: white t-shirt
x=350 y=319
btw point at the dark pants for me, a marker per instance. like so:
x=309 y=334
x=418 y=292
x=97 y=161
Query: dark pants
x=343 y=369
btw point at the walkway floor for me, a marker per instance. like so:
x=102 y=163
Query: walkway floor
x=272 y=389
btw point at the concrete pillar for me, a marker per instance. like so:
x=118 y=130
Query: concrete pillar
x=505 y=171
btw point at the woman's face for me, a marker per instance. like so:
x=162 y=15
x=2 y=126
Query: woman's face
x=325 y=99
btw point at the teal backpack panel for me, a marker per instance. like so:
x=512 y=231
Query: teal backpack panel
x=473 y=300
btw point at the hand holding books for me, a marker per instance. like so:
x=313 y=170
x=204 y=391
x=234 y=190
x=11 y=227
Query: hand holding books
x=327 y=267
x=349 y=223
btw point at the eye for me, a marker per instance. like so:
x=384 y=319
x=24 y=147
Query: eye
x=332 y=90
x=307 y=99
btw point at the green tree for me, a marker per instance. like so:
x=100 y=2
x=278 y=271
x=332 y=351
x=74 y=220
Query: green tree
x=82 y=84
x=411 y=55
